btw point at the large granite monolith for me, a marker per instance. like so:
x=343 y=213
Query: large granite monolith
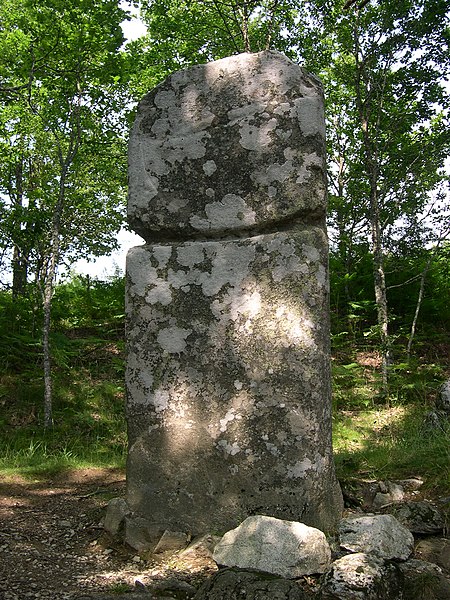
x=228 y=366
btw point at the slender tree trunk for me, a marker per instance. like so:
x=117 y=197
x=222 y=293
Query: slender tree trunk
x=368 y=106
x=65 y=162
x=418 y=305
x=19 y=259
x=47 y=306
x=20 y=273
x=48 y=383
x=244 y=13
x=379 y=280
x=423 y=277
x=50 y=275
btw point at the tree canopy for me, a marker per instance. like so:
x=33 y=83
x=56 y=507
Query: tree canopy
x=69 y=84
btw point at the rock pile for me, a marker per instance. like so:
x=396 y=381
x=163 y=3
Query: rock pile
x=376 y=557
x=378 y=566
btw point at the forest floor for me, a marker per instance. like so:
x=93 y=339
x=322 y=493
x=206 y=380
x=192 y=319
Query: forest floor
x=52 y=544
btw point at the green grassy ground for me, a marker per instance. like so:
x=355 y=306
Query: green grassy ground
x=372 y=438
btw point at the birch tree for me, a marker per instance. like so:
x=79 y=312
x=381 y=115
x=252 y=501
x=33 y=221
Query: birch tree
x=64 y=176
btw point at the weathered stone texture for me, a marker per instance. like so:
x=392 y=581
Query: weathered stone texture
x=230 y=145
x=228 y=384
x=236 y=584
x=286 y=548
x=380 y=535
x=361 y=577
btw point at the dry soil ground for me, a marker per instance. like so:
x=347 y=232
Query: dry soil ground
x=52 y=544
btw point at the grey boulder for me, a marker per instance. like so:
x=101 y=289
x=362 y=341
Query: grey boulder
x=423 y=580
x=286 y=548
x=360 y=577
x=234 y=584
x=381 y=535
x=419 y=517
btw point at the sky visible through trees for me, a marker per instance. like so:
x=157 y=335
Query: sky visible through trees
x=69 y=80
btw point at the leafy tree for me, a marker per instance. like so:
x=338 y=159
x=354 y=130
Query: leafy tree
x=391 y=142
x=62 y=134
x=186 y=32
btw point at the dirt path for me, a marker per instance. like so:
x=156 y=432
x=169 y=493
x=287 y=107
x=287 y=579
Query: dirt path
x=52 y=544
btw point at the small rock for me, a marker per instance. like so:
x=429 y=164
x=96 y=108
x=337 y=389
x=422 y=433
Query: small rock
x=389 y=492
x=271 y=545
x=443 y=399
x=136 y=559
x=140 y=534
x=140 y=586
x=201 y=547
x=423 y=580
x=419 y=517
x=64 y=523
x=360 y=577
x=434 y=550
x=172 y=540
x=435 y=420
x=115 y=514
x=381 y=535
x=411 y=485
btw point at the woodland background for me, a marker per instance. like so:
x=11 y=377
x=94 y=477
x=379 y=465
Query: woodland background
x=69 y=83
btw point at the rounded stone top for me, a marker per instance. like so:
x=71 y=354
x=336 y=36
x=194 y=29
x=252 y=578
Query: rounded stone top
x=227 y=147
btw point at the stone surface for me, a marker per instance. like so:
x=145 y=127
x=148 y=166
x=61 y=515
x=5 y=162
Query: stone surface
x=173 y=588
x=434 y=550
x=419 y=517
x=435 y=420
x=202 y=546
x=115 y=515
x=389 y=492
x=372 y=494
x=235 y=584
x=172 y=540
x=443 y=398
x=228 y=146
x=361 y=577
x=423 y=580
x=142 y=534
x=380 y=535
x=228 y=376
x=284 y=548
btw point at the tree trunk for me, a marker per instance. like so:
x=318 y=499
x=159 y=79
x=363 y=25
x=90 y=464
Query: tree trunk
x=423 y=277
x=48 y=383
x=49 y=280
x=379 y=280
x=20 y=273
x=19 y=259
x=366 y=104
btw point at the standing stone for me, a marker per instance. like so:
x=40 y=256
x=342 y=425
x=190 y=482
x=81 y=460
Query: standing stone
x=228 y=374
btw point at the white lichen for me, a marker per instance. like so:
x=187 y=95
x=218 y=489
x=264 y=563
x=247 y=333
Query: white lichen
x=173 y=339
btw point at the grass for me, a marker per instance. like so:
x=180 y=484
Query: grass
x=392 y=443
x=89 y=425
x=388 y=439
x=372 y=439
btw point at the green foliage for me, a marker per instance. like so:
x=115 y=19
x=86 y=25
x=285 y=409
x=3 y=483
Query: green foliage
x=66 y=90
x=63 y=172
x=89 y=426
x=391 y=443
x=89 y=302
